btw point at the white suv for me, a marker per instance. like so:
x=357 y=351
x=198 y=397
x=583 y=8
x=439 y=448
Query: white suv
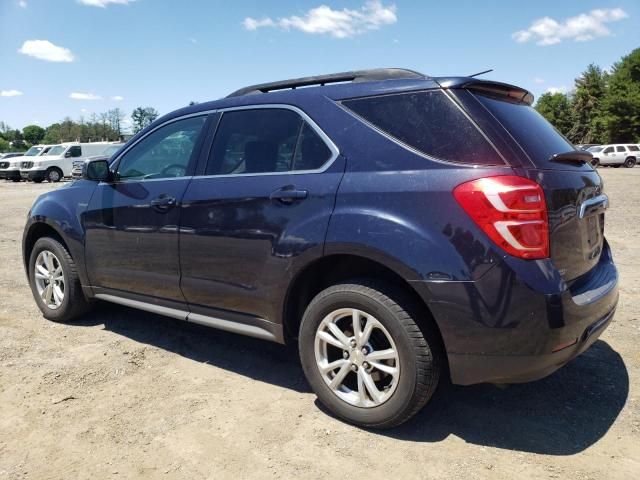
x=615 y=155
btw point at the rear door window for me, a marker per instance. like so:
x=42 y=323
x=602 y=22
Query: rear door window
x=620 y=149
x=535 y=135
x=265 y=140
x=430 y=122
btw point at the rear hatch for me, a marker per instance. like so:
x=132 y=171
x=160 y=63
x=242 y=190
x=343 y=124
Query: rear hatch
x=573 y=189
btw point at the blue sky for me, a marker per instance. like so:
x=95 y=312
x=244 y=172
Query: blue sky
x=164 y=53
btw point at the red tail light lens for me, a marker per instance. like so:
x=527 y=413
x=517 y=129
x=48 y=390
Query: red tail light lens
x=511 y=211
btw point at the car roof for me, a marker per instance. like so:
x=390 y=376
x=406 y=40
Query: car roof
x=345 y=85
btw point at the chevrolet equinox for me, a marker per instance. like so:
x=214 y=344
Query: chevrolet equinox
x=400 y=228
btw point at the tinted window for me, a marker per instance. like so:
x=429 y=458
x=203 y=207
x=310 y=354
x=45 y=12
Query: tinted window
x=537 y=137
x=254 y=141
x=164 y=153
x=429 y=122
x=620 y=149
x=633 y=148
x=608 y=150
x=311 y=152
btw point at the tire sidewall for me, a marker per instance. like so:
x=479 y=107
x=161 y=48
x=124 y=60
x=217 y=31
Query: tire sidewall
x=46 y=243
x=400 y=399
x=50 y=171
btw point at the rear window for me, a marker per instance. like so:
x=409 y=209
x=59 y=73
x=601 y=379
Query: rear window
x=429 y=122
x=537 y=137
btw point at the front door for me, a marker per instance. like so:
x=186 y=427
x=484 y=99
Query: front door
x=132 y=223
x=262 y=205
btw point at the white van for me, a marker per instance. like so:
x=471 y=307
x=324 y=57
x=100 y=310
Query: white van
x=10 y=168
x=58 y=162
x=615 y=155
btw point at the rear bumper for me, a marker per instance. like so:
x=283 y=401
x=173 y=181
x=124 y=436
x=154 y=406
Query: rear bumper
x=500 y=329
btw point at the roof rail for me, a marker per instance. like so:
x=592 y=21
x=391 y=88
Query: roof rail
x=355 y=76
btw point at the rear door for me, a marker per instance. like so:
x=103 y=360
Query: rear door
x=132 y=223
x=260 y=208
x=573 y=189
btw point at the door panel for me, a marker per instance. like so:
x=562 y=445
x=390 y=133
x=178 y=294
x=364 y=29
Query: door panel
x=132 y=244
x=240 y=246
x=132 y=223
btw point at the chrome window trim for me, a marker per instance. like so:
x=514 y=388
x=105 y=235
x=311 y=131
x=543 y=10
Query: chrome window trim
x=335 y=152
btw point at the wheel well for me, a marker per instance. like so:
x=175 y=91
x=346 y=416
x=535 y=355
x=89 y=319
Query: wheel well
x=335 y=268
x=37 y=231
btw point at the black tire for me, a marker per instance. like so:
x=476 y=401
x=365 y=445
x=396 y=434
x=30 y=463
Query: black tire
x=595 y=163
x=419 y=351
x=630 y=162
x=53 y=175
x=38 y=180
x=15 y=179
x=74 y=302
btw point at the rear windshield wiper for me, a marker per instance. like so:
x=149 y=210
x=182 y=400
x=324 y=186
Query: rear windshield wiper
x=572 y=156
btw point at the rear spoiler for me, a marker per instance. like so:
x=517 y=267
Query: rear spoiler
x=494 y=89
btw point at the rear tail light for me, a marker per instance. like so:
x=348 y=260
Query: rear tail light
x=511 y=211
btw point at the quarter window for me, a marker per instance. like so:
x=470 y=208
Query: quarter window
x=633 y=148
x=429 y=122
x=165 y=153
x=265 y=140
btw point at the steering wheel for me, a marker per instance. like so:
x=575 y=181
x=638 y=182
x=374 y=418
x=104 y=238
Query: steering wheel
x=174 y=170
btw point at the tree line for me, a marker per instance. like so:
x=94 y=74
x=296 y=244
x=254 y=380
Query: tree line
x=603 y=107
x=106 y=126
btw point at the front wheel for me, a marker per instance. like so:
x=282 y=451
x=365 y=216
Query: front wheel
x=364 y=355
x=54 y=281
x=53 y=175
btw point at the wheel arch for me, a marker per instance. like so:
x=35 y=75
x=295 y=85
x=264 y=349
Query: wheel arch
x=336 y=267
x=34 y=232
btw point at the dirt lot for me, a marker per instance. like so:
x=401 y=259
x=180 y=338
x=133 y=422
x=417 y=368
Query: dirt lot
x=125 y=394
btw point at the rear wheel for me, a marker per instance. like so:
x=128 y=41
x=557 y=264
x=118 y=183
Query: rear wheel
x=595 y=163
x=54 y=281
x=364 y=355
x=53 y=174
x=630 y=162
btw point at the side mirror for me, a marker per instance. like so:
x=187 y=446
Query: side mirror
x=96 y=170
x=67 y=154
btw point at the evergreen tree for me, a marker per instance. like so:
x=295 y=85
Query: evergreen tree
x=556 y=108
x=621 y=105
x=586 y=107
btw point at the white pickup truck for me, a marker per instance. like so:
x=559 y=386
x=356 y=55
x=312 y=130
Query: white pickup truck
x=615 y=155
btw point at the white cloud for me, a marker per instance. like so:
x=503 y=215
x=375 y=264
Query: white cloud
x=538 y=80
x=45 y=50
x=104 y=3
x=23 y=3
x=117 y=98
x=10 y=93
x=84 y=96
x=336 y=23
x=554 y=90
x=193 y=40
x=581 y=28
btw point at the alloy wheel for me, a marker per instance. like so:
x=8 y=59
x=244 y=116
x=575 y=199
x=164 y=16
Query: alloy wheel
x=357 y=358
x=49 y=279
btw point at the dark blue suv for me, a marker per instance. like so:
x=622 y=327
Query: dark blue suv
x=399 y=227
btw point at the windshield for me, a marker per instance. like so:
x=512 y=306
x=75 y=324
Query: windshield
x=57 y=150
x=534 y=134
x=111 y=150
x=33 y=151
x=594 y=149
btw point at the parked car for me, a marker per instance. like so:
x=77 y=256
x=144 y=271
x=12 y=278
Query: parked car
x=10 y=170
x=397 y=227
x=58 y=162
x=76 y=171
x=615 y=155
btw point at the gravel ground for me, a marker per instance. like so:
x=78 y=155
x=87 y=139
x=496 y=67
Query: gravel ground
x=126 y=394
